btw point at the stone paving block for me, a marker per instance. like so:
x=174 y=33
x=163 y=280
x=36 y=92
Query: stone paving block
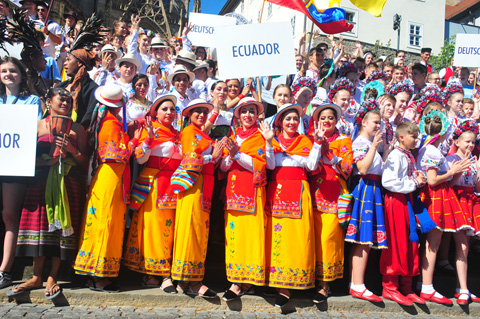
x=279 y=315
x=249 y=315
x=294 y=315
x=309 y=314
x=70 y=316
x=50 y=316
x=322 y=315
x=335 y=314
x=263 y=315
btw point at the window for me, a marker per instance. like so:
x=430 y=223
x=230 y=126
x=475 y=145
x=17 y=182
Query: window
x=415 y=34
x=270 y=9
x=292 y=22
x=352 y=18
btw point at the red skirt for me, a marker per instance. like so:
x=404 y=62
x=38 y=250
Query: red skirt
x=401 y=256
x=444 y=207
x=470 y=205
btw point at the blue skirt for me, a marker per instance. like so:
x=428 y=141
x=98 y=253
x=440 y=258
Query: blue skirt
x=367 y=225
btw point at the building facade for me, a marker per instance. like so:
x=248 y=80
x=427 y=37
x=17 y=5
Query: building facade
x=422 y=23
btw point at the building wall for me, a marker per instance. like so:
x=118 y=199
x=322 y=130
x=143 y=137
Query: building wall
x=429 y=15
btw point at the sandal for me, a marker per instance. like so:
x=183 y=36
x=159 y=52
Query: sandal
x=282 y=299
x=209 y=293
x=230 y=295
x=55 y=295
x=170 y=289
x=23 y=289
x=111 y=287
x=319 y=297
x=147 y=278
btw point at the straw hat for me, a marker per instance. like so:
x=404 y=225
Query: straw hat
x=180 y=69
x=319 y=109
x=201 y=64
x=187 y=56
x=130 y=58
x=285 y=108
x=157 y=42
x=197 y=103
x=248 y=101
x=110 y=95
x=110 y=48
x=158 y=101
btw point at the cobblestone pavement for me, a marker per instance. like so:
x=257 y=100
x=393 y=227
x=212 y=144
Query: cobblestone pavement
x=12 y=310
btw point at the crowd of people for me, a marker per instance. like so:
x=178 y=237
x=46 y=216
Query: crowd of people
x=134 y=133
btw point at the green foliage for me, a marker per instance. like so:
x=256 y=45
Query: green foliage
x=382 y=49
x=444 y=58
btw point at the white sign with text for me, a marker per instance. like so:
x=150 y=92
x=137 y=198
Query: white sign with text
x=203 y=31
x=18 y=139
x=467 y=50
x=255 y=50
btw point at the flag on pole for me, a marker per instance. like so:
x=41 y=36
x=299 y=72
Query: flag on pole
x=329 y=19
x=375 y=7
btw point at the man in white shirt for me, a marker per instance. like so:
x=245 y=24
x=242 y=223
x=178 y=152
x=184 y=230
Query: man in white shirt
x=107 y=72
x=198 y=90
x=51 y=29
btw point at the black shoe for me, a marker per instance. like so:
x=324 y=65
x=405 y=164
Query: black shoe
x=319 y=298
x=229 y=295
x=170 y=289
x=209 y=294
x=281 y=301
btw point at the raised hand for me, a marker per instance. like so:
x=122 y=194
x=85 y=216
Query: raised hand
x=266 y=131
x=319 y=132
x=106 y=59
x=218 y=148
x=377 y=140
x=232 y=148
x=187 y=29
x=149 y=127
x=135 y=20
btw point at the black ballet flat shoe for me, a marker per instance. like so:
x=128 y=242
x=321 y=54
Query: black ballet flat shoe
x=170 y=289
x=319 y=298
x=281 y=301
x=229 y=295
x=209 y=294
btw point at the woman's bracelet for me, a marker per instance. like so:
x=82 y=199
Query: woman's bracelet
x=240 y=96
x=213 y=118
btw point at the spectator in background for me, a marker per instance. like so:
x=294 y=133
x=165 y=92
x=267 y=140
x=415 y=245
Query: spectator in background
x=51 y=29
x=419 y=72
x=68 y=34
x=446 y=73
x=31 y=7
x=368 y=56
x=120 y=28
x=434 y=78
x=425 y=54
x=4 y=8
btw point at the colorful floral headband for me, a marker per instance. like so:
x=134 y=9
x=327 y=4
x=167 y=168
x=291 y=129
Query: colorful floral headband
x=151 y=34
x=377 y=85
x=367 y=106
x=452 y=88
x=402 y=86
x=302 y=82
x=429 y=94
x=346 y=68
x=434 y=116
x=377 y=75
x=340 y=84
x=465 y=126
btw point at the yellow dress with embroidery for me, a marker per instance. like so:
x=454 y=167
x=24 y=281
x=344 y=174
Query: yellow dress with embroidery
x=104 y=219
x=192 y=217
x=329 y=235
x=245 y=217
x=150 y=239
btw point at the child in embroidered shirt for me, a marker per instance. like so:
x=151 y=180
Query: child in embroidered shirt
x=367 y=226
x=387 y=108
x=399 y=262
x=438 y=197
x=464 y=186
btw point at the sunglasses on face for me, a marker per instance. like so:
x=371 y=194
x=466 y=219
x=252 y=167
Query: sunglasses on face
x=41 y=10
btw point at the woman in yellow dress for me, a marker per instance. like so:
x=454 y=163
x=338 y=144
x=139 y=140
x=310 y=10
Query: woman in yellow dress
x=104 y=220
x=192 y=218
x=326 y=185
x=290 y=234
x=150 y=239
x=250 y=154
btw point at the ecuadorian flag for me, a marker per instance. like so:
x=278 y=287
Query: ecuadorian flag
x=329 y=19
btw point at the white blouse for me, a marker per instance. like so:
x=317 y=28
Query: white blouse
x=309 y=162
x=430 y=157
x=360 y=147
x=469 y=177
x=245 y=160
x=167 y=150
x=395 y=177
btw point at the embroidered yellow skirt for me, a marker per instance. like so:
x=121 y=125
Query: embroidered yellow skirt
x=290 y=248
x=245 y=243
x=191 y=235
x=329 y=247
x=101 y=244
x=150 y=239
